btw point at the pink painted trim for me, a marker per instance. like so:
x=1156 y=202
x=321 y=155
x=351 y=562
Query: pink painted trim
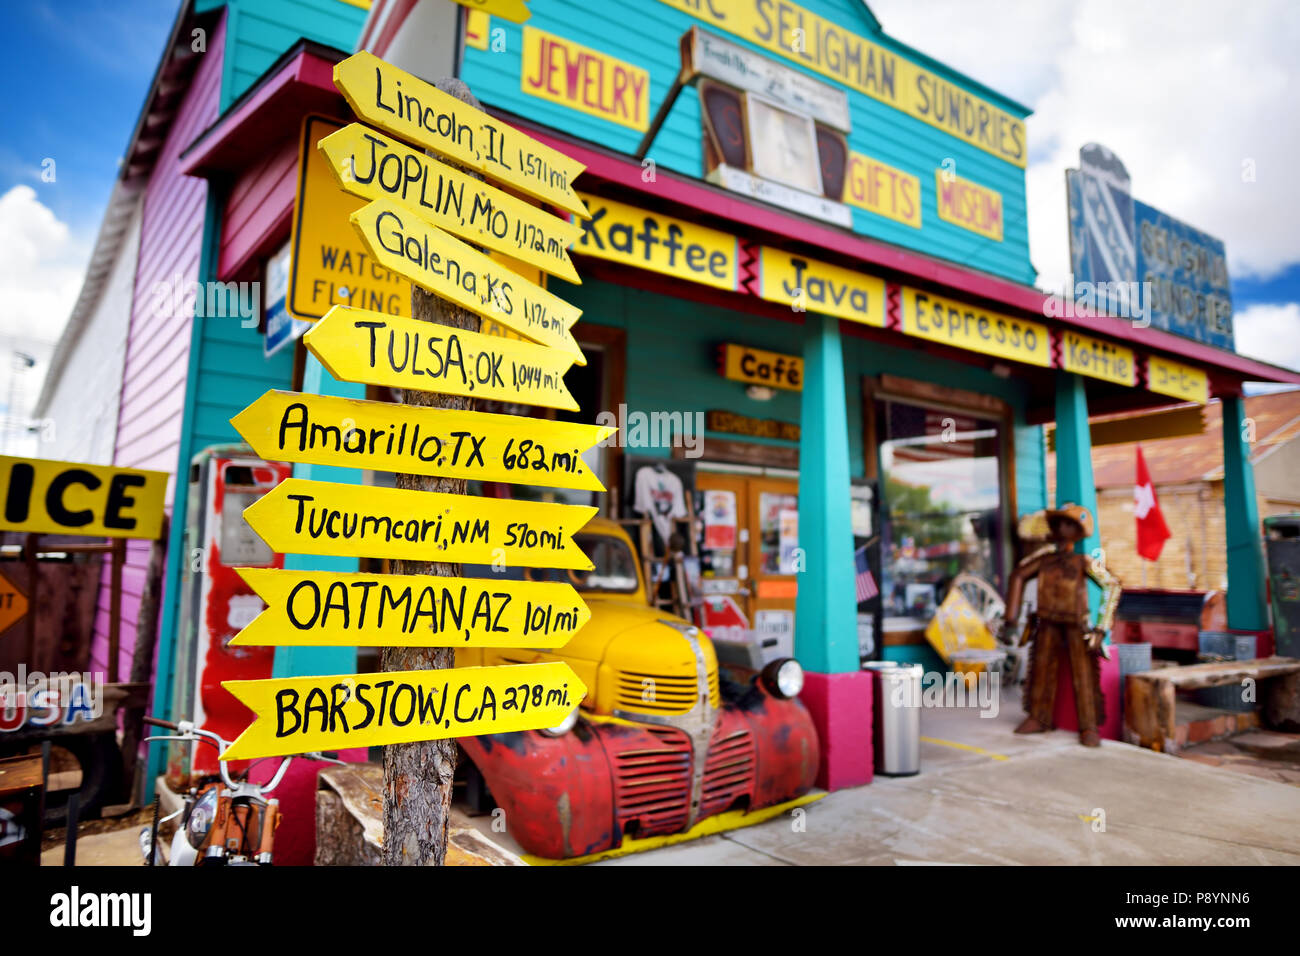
x=625 y=172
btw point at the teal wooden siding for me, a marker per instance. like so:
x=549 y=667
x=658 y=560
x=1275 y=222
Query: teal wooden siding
x=645 y=33
x=258 y=32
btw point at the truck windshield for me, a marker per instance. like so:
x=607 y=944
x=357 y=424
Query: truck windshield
x=615 y=566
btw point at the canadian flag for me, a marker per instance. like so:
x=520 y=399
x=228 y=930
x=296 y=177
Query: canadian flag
x=1152 y=532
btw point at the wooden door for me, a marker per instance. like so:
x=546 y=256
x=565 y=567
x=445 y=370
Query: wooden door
x=774 y=562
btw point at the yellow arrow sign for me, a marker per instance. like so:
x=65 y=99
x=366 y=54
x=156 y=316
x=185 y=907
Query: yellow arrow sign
x=357 y=345
x=13 y=604
x=318 y=517
x=425 y=116
x=65 y=497
x=327 y=609
x=301 y=714
x=513 y=10
x=380 y=436
x=375 y=166
x=403 y=242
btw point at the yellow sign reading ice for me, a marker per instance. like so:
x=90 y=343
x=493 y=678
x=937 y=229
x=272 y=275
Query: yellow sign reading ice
x=1174 y=378
x=424 y=115
x=303 y=714
x=327 y=430
x=814 y=286
x=329 y=609
x=447 y=267
x=319 y=517
x=375 y=166
x=1098 y=358
x=64 y=497
x=360 y=346
x=965 y=326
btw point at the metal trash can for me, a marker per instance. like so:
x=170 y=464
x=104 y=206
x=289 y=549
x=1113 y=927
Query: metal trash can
x=1282 y=544
x=896 y=720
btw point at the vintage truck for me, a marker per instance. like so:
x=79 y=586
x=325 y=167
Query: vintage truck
x=673 y=729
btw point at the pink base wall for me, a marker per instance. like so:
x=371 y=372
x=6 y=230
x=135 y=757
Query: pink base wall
x=1066 y=717
x=295 y=840
x=841 y=709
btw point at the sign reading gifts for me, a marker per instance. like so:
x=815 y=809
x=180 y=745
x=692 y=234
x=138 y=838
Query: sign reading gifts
x=965 y=326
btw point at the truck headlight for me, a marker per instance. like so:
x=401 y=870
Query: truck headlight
x=783 y=677
x=564 y=726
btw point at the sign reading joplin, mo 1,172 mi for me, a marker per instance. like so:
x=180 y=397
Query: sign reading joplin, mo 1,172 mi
x=319 y=517
x=302 y=714
x=63 y=497
x=380 y=436
x=327 y=609
x=424 y=115
x=448 y=268
x=361 y=346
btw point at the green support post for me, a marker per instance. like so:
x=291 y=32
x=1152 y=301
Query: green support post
x=318 y=661
x=826 y=625
x=1247 y=601
x=1074 y=482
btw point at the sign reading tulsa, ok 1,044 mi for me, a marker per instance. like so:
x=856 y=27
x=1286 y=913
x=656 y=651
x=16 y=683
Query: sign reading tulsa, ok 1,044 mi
x=413 y=199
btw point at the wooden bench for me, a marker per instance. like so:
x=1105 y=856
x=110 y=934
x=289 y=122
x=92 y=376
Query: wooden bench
x=1149 y=696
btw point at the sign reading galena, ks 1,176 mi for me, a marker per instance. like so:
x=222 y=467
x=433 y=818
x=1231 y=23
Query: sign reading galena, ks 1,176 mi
x=375 y=166
x=380 y=436
x=63 y=497
x=356 y=345
x=332 y=609
x=319 y=517
x=425 y=116
x=303 y=714
x=404 y=242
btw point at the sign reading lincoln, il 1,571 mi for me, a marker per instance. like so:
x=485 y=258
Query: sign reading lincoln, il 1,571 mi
x=375 y=166
x=319 y=517
x=380 y=436
x=404 y=242
x=425 y=116
x=330 y=609
x=357 y=345
x=304 y=714
x=63 y=497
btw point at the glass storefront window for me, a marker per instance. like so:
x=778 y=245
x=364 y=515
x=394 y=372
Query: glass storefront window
x=941 y=474
x=778 y=516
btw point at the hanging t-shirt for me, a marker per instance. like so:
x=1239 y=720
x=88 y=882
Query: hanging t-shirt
x=658 y=495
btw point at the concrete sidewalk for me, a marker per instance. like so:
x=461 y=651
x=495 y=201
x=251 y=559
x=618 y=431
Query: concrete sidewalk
x=987 y=796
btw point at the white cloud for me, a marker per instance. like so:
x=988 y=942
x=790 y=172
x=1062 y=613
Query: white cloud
x=1270 y=333
x=1185 y=94
x=42 y=262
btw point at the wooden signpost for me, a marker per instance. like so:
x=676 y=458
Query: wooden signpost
x=438 y=263
x=434 y=441
x=326 y=608
x=360 y=346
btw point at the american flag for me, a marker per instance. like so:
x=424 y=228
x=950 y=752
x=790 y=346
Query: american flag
x=866 y=584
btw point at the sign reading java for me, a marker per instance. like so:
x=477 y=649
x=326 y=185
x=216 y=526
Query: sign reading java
x=647 y=240
x=452 y=270
x=326 y=430
x=819 y=44
x=61 y=497
x=969 y=205
x=318 y=517
x=821 y=287
x=328 y=609
x=1098 y=358
x=374 y=166
x=302 y=714
x=967 y=327
x=424 y=115
x=584 y=79
x=360 y=346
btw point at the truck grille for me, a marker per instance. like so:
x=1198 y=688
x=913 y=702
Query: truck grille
x=729 y=770
x=652 y=785
x=661 y=693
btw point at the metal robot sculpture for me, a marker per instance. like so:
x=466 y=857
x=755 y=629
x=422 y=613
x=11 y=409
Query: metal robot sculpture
x=1059 y=625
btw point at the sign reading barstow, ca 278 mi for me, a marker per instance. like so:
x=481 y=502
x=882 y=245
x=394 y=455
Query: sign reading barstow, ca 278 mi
x=319 y=517
x=360 y=346
x=375 y=166
x=424 y=115
x=63 y=497
x=301 y=714
x=448 y=268
x=326 y=609
x=327 y=430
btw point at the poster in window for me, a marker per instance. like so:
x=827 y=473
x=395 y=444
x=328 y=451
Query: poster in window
x=719 y=520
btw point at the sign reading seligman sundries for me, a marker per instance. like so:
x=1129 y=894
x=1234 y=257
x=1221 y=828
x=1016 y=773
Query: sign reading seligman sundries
x=415 y=202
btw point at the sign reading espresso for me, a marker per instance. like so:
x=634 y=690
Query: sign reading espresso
x=756 y=367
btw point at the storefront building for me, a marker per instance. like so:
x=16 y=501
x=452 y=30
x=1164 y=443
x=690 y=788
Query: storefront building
x=807 y=302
